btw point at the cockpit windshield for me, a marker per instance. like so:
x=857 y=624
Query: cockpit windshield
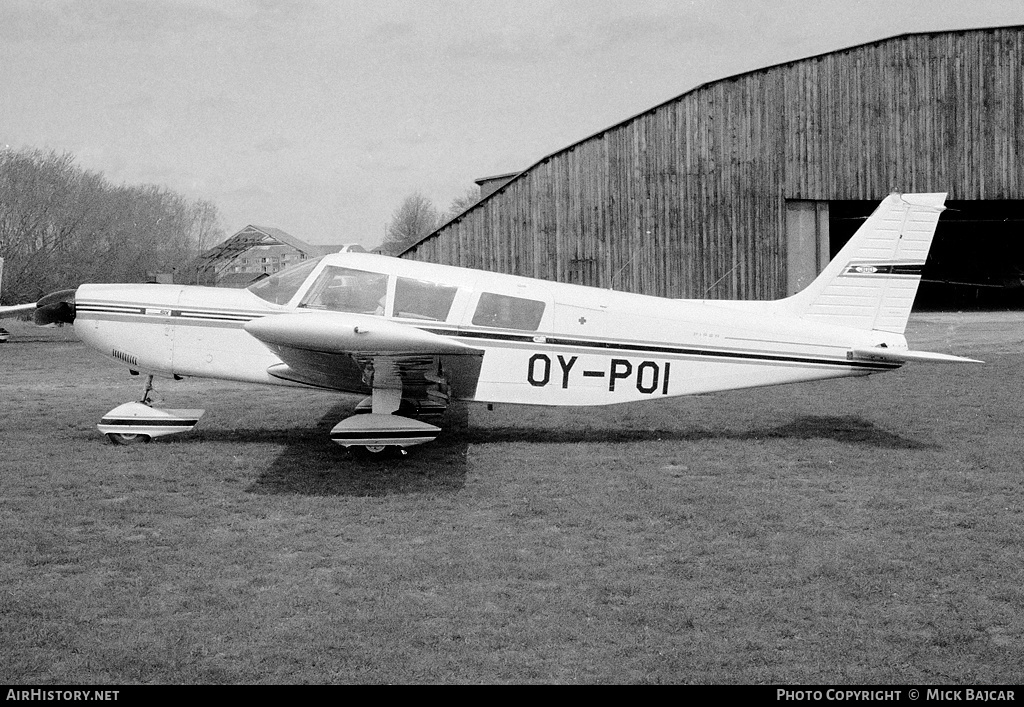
x=280 y=287
x=347 y=290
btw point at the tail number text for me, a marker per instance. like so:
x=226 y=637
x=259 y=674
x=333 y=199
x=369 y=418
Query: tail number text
x=649 y=377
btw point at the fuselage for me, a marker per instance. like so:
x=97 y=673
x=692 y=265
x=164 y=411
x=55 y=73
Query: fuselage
x=543 y=343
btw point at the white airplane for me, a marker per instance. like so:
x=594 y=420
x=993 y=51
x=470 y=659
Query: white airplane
x=414 y=336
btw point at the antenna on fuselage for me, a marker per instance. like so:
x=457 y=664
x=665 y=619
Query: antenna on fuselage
x=713 y=284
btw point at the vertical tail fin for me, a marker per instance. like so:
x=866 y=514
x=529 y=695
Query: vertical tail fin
x=872 y=282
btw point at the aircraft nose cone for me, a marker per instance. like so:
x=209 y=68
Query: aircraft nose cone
x=56 y=308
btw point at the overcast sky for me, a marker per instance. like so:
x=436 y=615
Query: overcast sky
x=320 y=117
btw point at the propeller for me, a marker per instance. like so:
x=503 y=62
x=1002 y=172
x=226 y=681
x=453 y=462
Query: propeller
x=56 y=308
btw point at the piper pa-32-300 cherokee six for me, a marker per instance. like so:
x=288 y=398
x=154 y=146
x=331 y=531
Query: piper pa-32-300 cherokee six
x=414 y=336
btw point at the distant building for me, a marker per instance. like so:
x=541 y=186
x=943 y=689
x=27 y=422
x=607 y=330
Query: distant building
x=253 y=253
x=162 y=278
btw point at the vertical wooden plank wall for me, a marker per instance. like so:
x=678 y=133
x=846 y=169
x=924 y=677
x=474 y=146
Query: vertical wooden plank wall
x=688 y=198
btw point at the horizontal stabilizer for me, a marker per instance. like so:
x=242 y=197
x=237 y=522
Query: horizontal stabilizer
x=896 y=356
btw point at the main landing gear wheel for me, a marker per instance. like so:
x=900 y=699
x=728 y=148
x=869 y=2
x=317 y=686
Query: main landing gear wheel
x=123 y=438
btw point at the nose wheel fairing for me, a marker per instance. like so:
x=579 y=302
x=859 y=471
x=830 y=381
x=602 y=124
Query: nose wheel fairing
x=133 y=422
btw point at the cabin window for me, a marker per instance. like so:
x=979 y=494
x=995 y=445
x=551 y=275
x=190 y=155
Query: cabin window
x=507 y=312
x=416 y=299
x=280 y=287
x=346 y=290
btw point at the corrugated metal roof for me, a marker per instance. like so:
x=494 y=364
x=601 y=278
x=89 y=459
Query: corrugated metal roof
x=243 y=239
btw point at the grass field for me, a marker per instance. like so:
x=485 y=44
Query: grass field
x=857 y=531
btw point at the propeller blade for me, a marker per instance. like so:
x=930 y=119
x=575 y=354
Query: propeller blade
x=58 y=296
x=16 y=310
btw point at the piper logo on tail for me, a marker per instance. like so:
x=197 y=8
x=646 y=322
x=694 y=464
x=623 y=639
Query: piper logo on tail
x=885 y=269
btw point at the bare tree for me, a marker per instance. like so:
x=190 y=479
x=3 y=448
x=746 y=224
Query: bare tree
x=61 y=226
x=206 y=232
x=36 y=199
x=416 y=218
x=463 y=202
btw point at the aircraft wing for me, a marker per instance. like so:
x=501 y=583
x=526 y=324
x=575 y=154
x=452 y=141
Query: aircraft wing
x=357 y=353
x=16 y=310
x=897 y=356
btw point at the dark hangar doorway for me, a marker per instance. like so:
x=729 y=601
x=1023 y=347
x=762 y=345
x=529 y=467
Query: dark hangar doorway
x=977 y=258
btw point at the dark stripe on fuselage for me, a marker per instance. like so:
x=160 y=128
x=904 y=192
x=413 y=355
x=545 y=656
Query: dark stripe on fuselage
x=185 y=316
x=108 y=309
x=215 y=316
x=531 y=339
x=643 y=348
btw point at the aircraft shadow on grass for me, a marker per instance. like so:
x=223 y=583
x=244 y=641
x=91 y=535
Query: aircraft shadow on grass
x=309 y=466
x=849 y=430
x=312 y=465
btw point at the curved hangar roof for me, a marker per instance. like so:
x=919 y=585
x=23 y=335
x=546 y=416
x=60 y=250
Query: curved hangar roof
x=708 y=172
